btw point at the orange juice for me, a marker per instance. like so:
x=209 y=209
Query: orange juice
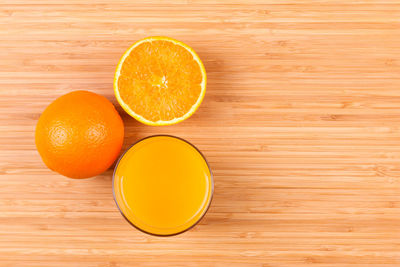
x=162 y=185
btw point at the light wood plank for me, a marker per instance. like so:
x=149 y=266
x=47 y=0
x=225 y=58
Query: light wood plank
x=300 y=123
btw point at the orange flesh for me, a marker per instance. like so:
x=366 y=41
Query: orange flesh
x=160 y=80
x=162 y=185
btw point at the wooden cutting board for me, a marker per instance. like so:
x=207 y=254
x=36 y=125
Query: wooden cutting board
x=300 y=123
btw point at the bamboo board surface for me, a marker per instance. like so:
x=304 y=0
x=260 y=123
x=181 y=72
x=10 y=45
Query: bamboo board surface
x=300 y=123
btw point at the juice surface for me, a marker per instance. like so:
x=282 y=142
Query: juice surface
x=162 y=185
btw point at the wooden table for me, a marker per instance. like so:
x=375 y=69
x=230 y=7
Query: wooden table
x=300 y=123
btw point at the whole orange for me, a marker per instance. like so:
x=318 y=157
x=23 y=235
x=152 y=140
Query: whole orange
x=79 y=135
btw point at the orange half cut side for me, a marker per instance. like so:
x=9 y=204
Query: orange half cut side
x=160 y=81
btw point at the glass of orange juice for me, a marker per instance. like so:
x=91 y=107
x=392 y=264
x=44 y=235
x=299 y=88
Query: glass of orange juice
x=163 y=185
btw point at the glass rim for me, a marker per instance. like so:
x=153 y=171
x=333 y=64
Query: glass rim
x=211 y=181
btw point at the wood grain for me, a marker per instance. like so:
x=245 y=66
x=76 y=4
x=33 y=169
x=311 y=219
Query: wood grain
x=300 y=123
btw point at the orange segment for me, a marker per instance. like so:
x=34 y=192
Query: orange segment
x=160 y=81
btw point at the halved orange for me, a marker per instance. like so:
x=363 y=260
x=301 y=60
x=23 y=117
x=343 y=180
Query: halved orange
x=160 y=81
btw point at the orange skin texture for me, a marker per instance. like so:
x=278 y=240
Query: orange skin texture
x=79 y=135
